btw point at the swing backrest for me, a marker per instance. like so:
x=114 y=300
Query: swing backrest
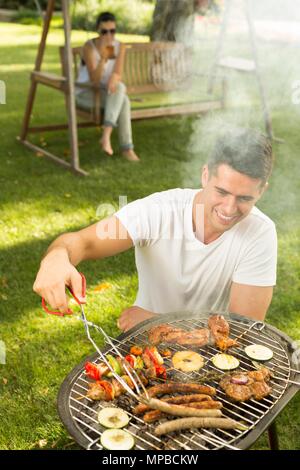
x=76 y=55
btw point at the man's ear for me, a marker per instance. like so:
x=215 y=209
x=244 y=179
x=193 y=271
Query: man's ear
x=264 y=188
x=205 y=176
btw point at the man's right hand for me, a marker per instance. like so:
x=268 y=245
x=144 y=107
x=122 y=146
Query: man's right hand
x=55 y=273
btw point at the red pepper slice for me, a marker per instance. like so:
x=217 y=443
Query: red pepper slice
x=92 y=371
x=161 y=372
x=130 y=360
x=151 y=354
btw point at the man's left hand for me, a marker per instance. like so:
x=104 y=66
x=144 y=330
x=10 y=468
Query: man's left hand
x=132 y=316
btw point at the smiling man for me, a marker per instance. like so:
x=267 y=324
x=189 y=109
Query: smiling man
x=209 y=249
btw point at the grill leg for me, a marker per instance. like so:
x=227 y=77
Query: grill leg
x=273 y=437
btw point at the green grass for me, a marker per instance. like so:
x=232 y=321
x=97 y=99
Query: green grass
x=40 y=200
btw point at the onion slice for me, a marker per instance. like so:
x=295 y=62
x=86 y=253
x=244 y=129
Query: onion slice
x=239 y=379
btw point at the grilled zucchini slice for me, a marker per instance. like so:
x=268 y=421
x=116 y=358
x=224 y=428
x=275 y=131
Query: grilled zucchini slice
x=117 y=439
x=225 y=362
x=258 y=352
x=113 y=418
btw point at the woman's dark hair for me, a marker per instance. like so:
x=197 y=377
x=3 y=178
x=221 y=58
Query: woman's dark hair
x=105 y=16
x=245 y=150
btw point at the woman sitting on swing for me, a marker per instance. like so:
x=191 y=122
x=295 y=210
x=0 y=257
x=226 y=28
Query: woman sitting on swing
x=102 y=64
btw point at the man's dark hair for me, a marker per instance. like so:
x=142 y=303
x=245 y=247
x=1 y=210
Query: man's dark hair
x=245 y=150
x=105 y=16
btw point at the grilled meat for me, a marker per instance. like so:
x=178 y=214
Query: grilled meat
x=157 y=333
x=260 y=390
x=218 y=334
x=219 y=328
x=174 y=387
x=260 y=375
x=96 y=392
x=235 y=391
x=169 y=334
x=198 y=338
x=243 y=386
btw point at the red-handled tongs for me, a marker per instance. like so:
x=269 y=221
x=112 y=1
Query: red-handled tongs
x=87 y=324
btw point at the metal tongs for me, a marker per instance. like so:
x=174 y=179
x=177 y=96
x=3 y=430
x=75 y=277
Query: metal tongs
x=132 y=374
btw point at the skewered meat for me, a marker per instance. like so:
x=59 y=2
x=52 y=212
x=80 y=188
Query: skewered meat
x=219 y=328
x=255 y=385
x=106 y=390
x=218 y=334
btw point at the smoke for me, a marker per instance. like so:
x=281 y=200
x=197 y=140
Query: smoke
x=277 y=34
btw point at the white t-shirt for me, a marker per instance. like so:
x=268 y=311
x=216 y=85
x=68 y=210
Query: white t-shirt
x=177 y=272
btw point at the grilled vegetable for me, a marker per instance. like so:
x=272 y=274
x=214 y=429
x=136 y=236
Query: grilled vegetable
x=96 y=371
x=131 y=359
x=239 y=379
x=153 y=355
x=115 y=364
x=189 y=423
x=257 y=352
x=225 y=362
x=187 y=361
x=113 y=418
x=136 y=350
x=117 y=439
x=139 y=364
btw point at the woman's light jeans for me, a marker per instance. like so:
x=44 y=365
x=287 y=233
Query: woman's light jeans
x=116 y=107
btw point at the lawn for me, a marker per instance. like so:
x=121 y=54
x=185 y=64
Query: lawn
x=40 y=200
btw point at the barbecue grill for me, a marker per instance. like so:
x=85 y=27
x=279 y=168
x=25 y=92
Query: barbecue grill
x=79 y=413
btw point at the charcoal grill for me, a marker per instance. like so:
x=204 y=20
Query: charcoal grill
x=79 y=413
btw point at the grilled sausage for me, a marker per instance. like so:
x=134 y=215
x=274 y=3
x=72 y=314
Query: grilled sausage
x=189 y=423
x=180 y=410
x=179 y=400
x=154 y=415
x=174 y=387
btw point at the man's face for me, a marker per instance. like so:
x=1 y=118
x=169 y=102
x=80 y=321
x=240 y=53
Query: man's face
x=228 y=197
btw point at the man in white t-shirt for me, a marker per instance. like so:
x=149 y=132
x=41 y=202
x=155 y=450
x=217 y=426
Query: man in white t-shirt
x=196 y=250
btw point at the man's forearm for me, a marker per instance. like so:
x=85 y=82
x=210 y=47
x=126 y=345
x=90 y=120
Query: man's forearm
x=69 y=246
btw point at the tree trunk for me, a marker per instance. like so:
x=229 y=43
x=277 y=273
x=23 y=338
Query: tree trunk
x=173 y=20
